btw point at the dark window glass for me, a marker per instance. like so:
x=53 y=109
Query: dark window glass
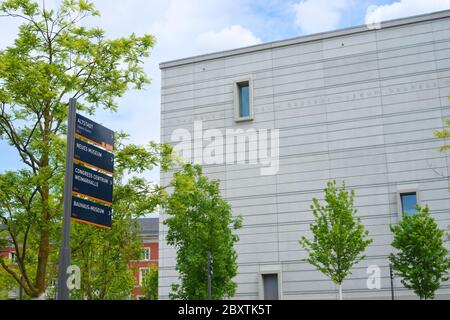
x=244 y=100
x=409 y=202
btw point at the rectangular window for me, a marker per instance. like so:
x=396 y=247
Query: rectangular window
x=142 y=274
x=13 y=257
x=146 y=254
x=408 y=202
x=243 y=100
x=270 y=286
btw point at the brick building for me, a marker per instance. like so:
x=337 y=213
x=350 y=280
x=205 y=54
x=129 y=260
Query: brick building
x=149 y=259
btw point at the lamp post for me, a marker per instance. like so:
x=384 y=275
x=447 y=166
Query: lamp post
x=391 y=275
x=209 y=276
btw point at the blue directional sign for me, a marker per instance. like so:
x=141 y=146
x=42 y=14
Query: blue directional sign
x=90 y=155
x=92 y=184
x=91 y=212
x=94 y=132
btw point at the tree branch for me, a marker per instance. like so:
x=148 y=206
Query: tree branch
x=28 y=291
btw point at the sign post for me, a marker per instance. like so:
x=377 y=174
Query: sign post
x=88 y=186
x=64 y=253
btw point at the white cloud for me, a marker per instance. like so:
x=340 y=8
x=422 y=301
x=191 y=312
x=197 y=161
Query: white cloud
x=313 y=16
x=182 y=29
x=231 y=37
x=405 y=8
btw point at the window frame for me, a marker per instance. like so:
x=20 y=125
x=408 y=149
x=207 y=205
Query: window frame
x=237 y=99
x=406 y=190
x=141 y=275
x=270 y=269
x=12 y=256
x=144 y=249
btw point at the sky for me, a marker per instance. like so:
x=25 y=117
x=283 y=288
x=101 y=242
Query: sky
x=185 y=28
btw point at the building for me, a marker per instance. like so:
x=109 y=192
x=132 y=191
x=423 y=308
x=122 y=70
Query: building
x=149 y=259
x=357 y=104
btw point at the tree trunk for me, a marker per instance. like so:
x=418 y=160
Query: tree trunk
x=44 y=249
x=44 y=244
x=340 y=292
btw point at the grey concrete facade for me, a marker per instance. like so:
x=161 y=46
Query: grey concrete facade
x=357 y=105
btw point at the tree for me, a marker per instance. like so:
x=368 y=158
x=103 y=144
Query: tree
x=444 y=134
x=150 y=284
x=104 y=255
x=339 y=237
x=200 y=220
x=421 y=259
x=53 y=59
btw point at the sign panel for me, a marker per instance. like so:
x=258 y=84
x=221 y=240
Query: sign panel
x=93 y=166
x=94 y=132
x=92 y=184
x=91 y=212
x=93 y=156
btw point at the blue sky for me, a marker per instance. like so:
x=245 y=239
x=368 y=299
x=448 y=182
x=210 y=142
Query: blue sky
x=189 y=27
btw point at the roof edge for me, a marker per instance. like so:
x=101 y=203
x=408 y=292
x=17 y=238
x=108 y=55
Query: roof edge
x=303 y=39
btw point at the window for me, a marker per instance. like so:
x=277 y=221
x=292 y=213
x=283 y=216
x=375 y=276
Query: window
x=146 y=254
x=243 y=101
x=13 y=257
x=408 y=203
x=143 y=272
x=270 y=286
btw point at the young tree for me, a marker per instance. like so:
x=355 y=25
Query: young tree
x=339 y=237
x=150 y=284
x=421 y=259
x=444 y=135
x=200 y=220
x=53 y=59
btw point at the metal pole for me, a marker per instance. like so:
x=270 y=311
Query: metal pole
x=209 y=276
x=64 y=253
x=392 y=281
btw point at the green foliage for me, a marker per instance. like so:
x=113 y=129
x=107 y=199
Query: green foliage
x=53 y=59
x=421 y=259
x=7 y=284
x=200 y=220
x=339 y=237
x=444 y=134
x=150 y=284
